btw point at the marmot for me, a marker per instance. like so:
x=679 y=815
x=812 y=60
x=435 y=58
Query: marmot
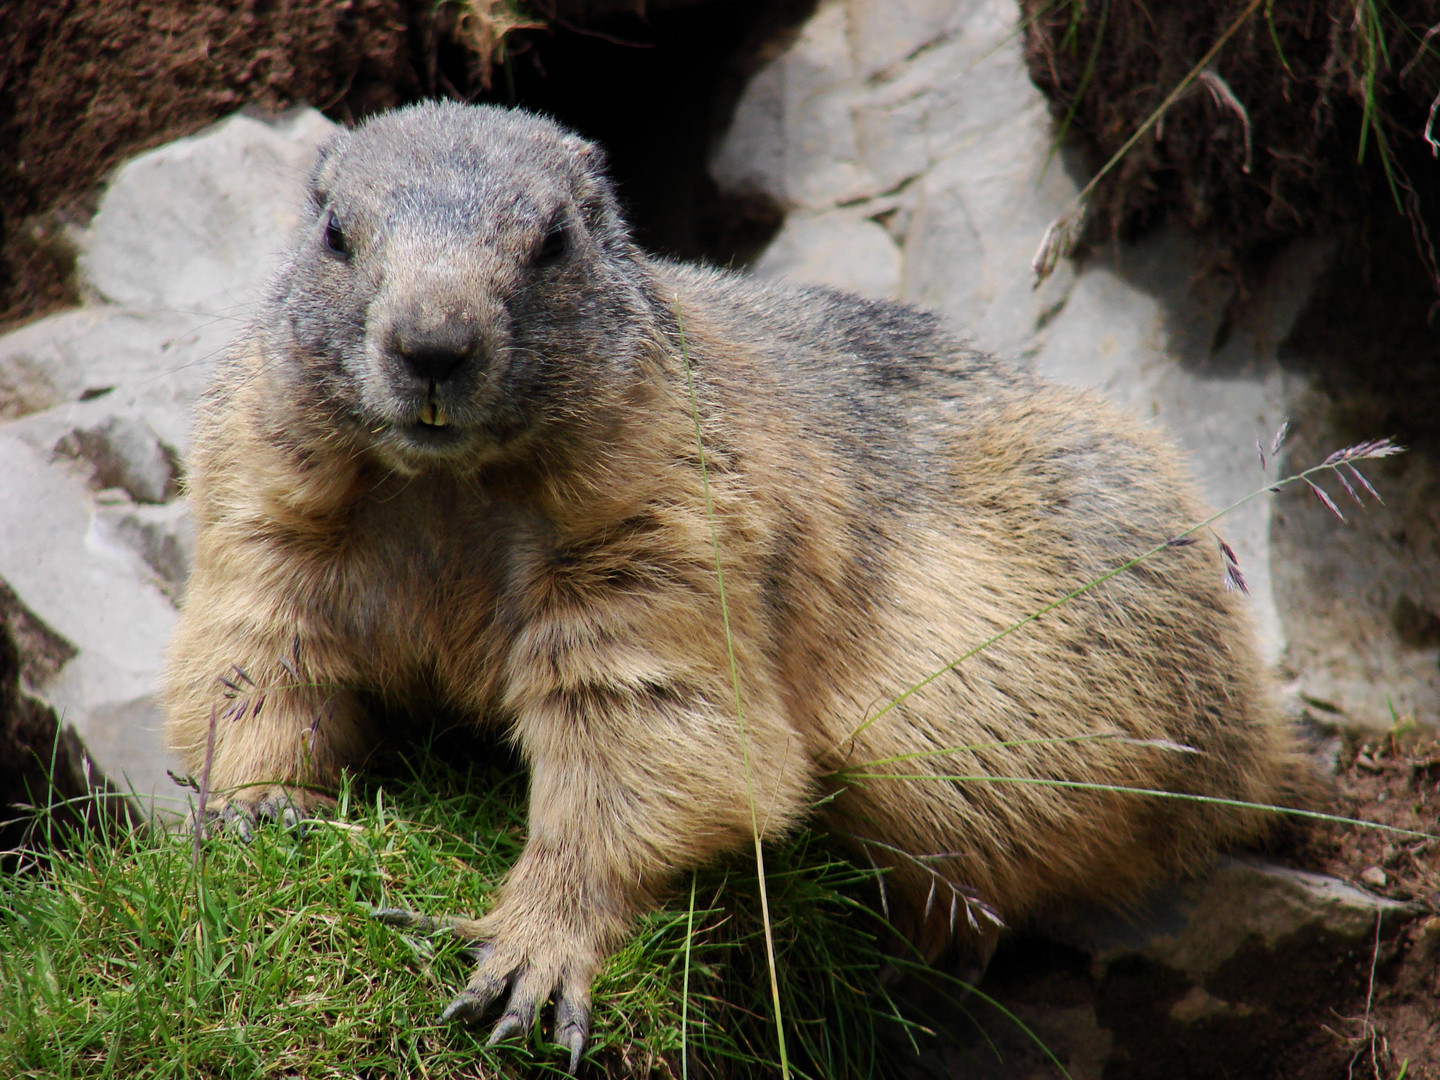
x=478 y=451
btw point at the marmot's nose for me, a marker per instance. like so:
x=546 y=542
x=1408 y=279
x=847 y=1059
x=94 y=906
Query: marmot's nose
x=436 y=349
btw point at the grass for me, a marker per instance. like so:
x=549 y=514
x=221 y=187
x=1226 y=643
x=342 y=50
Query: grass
x=127 y=958
x=760 y=879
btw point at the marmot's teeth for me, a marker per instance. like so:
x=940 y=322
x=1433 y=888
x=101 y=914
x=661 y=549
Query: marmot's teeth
x=433 y=415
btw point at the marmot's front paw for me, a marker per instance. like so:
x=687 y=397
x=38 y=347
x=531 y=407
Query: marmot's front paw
x=533 y=972
x=243 y=808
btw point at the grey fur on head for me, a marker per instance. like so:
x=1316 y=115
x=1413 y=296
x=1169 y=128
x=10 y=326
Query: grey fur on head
x=464 y=277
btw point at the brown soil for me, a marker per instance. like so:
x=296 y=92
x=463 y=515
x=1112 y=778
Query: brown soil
x=1268 y=144
x=85 y=85
x=1396 y=784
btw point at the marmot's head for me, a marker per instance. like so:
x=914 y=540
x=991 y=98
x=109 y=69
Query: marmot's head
x=463 y=285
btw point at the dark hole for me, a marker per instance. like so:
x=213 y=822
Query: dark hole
x=655 y=92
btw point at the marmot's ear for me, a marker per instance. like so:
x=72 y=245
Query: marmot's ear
x=594 y=191
x=322 y=172
x=591 y=157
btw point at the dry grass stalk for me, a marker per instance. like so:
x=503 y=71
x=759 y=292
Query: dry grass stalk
x=483 y=26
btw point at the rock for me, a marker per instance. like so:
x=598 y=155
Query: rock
x=932 y=125
x=794 y=139
x=885 y=34
x=96 y=410
x=163 y=537
x=41 y=651
x=124 y=452
x=146 y=363
x=99 y=596
x=195 y=226
x=48 y=784
x=839 y=248
x=1140 y=327
x=1361 y=596
x=1233 y=974
x=1241 y=912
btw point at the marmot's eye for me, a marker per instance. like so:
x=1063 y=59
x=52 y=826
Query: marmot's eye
x=335 y=241
x=555 y=244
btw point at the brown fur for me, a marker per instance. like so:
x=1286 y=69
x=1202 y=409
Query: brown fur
x=883 y=501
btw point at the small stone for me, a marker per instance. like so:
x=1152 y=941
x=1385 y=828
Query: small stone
x=1199 y=1004
x=124 y=452
x=1366 y=762
x=1374 y=877
x=1427 y=940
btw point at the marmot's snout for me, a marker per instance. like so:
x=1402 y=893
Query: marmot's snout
x=436 y=351
x=437 y=348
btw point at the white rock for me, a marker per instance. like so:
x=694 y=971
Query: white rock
x=932 y=119
x=931 y=113
x=91 y=538
x=98 y=595
x=1200 y=926
x=883 y=33
x=841 y=248
x=194 y=226
x=163 y=537
x=1345 y=586
x=1138 y=329
x=124 y=452
x=795 y=140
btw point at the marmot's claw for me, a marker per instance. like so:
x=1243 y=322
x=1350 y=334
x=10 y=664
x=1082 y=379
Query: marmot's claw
x=293 y=812
x=572 y=1025
x=232 y=818
x=464 y=929
x=241 y=812
x=466 y=1008
x=576 y=1048
x=530 y=986
x=514 y=1020
x=470 y=1004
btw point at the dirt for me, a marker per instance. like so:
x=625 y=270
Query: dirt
x=1308 y=119
x=1393 y=782
x=85 y=85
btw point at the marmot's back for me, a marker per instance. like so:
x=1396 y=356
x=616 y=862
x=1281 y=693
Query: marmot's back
x=966 y=495
x=456 y=462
